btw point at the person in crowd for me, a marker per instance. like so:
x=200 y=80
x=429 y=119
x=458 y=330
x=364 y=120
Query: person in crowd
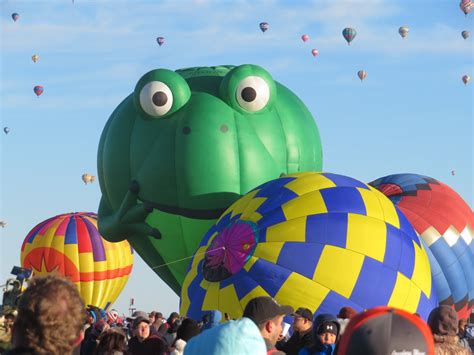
x=89 y=344
x=443 y=322
x=157 y=322
x=233 y=337
x=268 y=316
x=6 y=325
x=386 y=330
x=302 y=332
x=50 y=318
x=211 y=320
x=188 y=329
x=344 y=316
x=142 y=342
x=326 y=331
x=169 y=323
x=463 y=339
x=111 y=342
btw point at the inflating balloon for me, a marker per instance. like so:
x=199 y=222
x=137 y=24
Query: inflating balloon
x=35 y=57
x=70 y=245
x=304 y=38
x=362 y=74
x=160 y=41
x=403 y=31
x=315 y=240
x=264 y=26
x=465 y=34
x=38 y=90
x=446 y=224
x=15 y=16
x=6 y=130
x=164 y=182
x=349 y=34
x=466 y=79
x=314 y=52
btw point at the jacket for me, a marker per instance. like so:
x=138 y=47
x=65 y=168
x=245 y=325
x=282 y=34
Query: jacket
x=317 y=348
x=449 y=344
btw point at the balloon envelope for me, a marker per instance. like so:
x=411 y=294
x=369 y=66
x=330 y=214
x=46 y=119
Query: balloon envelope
x=70 y=244
x=465 y=34
x=403 y=31
x=160 y=41
x=35 y=57
x=38 y=90
x=6 y=130
x=315 y=240
x=466 y=6
x=466 y=79
x=264 y=26
x=315 y=52
x=304 y=38
x=15 y=16
x=349 y=34
x=446 y=224
x=362 y=74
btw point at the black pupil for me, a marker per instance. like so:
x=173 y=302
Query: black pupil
x=249 y=94
x=160 y=98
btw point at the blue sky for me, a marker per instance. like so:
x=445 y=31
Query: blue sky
x=411 y=114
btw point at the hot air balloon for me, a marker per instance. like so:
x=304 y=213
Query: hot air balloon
x=15 y=16
x=160 y=40
x=403 y=31
x=349 y=34
x=38 y=90
x=264 y=26
x=70 y=244
x=453 y=172
x=315 y=240
x=362 y=74
x=304 y=38
x=3 y=224
x=466 y=79
x=88 y=178
x=314 y=52
x=465 y=6
x=35 y=57
x=6 y=130
x=446 y=224
x=465 y=34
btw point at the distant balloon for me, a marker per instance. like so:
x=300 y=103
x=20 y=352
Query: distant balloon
x=88 y=178
x=349 y=34
x=361 y=74
x=465 y=34
x=3 y=224
x=35 y=57
x=315 y=52
x=453 y=172
x=264 y=26
x=6 y=130
x=466 y=79
x=38 y=90
x=160 y=40
x=403 y=31
x=466 y=6
x=304 y=38
x=15 y=16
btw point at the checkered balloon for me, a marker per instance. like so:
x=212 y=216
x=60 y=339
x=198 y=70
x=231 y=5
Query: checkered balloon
x=316 y=240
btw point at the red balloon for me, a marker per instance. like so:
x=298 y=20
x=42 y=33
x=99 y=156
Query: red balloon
x=38 y=90
x=304 y=38
x=315 y=52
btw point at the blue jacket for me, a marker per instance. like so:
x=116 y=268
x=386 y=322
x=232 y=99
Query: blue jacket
x=318 y=348
x=215 y=318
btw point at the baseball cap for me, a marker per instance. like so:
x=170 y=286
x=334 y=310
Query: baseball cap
x=386 y=330
x=303 y=312
x=262 y=309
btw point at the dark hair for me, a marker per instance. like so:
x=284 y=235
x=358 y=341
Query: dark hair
x=189 y=328
x=111 y=340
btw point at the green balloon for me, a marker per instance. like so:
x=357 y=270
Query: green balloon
x=185 y=145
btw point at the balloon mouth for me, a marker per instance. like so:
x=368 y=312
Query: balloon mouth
x=230 y=250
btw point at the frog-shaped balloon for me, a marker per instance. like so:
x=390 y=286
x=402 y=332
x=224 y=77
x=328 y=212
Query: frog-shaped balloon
x=185 y=145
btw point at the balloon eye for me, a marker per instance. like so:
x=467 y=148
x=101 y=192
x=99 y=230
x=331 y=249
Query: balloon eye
x=156 y=98
x=253 y=93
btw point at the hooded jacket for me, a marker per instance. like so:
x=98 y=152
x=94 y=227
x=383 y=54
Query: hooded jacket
x=317 y=348
x=215 y=318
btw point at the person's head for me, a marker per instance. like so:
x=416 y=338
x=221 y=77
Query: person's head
x=302 y=320
x=172 y=318
x=462 y=325
x=346 y=313
x=90 y=319
x=141 y=328
x=189 y=328
x=268 y=316
x=110 y=341
x=327 y=332
x=152 y=316
x=9 y=319
x=50 y=317
x=443 y=320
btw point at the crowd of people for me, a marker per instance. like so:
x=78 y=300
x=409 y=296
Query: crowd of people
x=51 y=319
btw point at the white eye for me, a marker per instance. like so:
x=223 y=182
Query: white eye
x=156 y=98
x=253 y=93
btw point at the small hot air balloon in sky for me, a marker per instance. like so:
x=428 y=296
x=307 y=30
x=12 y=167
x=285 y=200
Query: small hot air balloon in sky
x=304 y=38
x=35 y=57
x=361 y=74
x=88 y=178
x=314 y=52
x=465 y=34
x=15 y=16
x=38 y=90
x=349 y=34
x=466 y=6
x=453 y=172
x=403 y=31
x=466 y=79
x=6 y=130
x=264 y=26
x=160 y=40
x=3 y=224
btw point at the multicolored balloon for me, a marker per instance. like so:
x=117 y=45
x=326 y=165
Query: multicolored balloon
x=6 y=130
x=160 y=40
x=403 y=31
x=15 y=16
x=70 y=245
x=315 y=240
x=314 y=52
x=38 y=90
x=362 y=74
x=465 y=34
x=466 y=6
x=349 y=34
x=304 y=38
x=446 y=224
x=35 y=58
x=466 y=79
x=264 y=26
x=87 y=178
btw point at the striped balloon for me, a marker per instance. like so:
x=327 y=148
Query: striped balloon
x=349 y=34
x=446 y=224
x=70 y=244
x=315 y=240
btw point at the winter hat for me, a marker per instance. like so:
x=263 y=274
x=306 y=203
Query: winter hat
x=328 y=327
x=443 y=320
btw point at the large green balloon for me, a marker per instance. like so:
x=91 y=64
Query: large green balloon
x=185 y=145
